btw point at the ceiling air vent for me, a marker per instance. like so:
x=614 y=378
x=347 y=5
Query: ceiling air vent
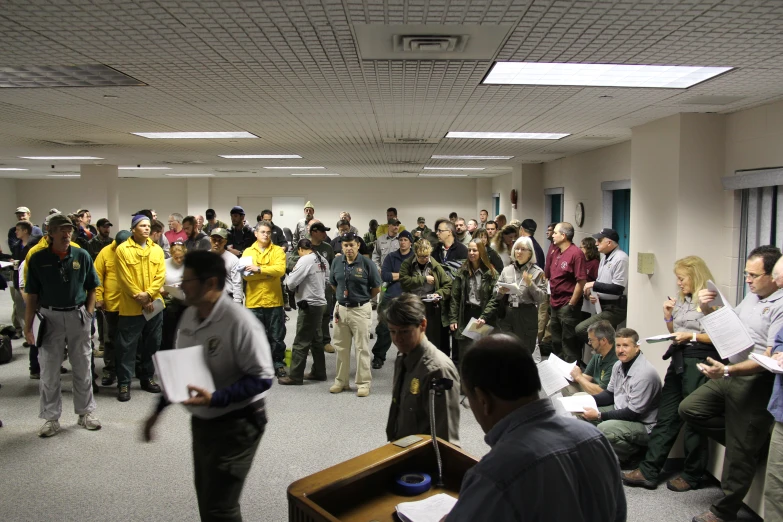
x=75 y=143
x=411 y=141
x=430 y=43
x=193 y=162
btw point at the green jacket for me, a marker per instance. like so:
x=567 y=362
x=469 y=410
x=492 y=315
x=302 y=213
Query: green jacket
x=459 y=297
x=410 y=280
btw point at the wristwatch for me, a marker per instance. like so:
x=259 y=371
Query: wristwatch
x=726 y=371
x=693 y=339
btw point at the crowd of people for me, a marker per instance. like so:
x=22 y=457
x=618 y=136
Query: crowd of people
x=227 y=286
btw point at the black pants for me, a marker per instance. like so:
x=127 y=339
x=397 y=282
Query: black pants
x=223 y=451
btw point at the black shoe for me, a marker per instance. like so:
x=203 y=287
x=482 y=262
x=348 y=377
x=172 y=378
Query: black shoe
x=149 y=385
x=26 y=344
x=280 y=372
x=287 y=308
x=107 y=381
x=63 y=369
x=124 y=393
x=377 y=364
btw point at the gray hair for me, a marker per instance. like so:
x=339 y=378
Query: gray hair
x=524 y=241
x=602 y=330
x=567 y=229
x=177 y=217
x=263 y=223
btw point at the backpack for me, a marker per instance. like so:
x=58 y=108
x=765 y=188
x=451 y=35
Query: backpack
x=6 y=354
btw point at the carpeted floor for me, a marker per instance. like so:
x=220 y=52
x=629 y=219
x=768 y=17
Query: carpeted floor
x=112 y=475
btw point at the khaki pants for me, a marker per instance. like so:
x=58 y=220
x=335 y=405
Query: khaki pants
x=773 y=484
x=353 y=325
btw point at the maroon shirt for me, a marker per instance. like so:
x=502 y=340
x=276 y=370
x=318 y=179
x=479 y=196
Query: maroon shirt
x=591 y=268
x=564 y=269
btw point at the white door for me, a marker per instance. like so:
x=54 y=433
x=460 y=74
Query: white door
x=253 y=206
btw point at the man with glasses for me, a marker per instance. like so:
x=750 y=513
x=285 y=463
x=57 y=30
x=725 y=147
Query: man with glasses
x=596 y=376
x=732 y=406
x=60 y=288
x=418 y=365
x=264 y=294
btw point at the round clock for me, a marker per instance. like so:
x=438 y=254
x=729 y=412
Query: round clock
x=579 y=215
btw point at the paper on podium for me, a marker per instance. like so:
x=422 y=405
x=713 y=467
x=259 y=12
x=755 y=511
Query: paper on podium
x=660 y=338
x=178 y=368
x=552 y=380
x=475 y=331
x=175 y=291
x=726 y=331
x=562 y=367
x=578 y=403
x=431 y=509
x=157 y=307
x=768 y=363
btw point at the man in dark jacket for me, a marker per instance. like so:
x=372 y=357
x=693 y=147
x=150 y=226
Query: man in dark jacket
x=278 y=237
x=240 y=236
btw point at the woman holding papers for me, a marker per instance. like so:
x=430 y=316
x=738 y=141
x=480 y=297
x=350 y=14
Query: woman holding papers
x=690 y=347
x=521 y=288
x=175 y=267
x=471 y=292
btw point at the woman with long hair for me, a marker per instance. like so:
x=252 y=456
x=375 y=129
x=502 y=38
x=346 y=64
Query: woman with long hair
x=517 y=308
x=471 y=292
x=503 y=241
x=690 y=347
x=590 y=250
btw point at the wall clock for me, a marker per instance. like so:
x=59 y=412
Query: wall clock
x=579 y=214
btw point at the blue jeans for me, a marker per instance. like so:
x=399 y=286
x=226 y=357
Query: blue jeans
x=273 y=320
x=129 y=330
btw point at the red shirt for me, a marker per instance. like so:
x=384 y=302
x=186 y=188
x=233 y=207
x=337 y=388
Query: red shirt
x=564 y=269
x=591 y=268
x=173 y=237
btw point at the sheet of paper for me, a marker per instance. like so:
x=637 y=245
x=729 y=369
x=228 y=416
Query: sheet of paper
x=598 y=308
x=431 y=298
x=6 y=264
x=578 y=403
x=512 y=288
x=588 y=307
x=720 y=299
x=178 y=368
x=728 y=334
x=768 y=363
x=660 y=338
x=175 y=291
x=475 y=331
x=157 y=307
x=431 y=509
x=562 y=367
x=552 y=380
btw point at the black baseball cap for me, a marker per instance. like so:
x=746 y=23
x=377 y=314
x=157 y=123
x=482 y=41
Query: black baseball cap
x=607 y=233
x=319 y=227
x=530 y=225
x=103 y=222
x=393 y=221
x=237 y=210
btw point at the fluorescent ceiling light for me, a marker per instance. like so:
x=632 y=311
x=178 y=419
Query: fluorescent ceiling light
x=143 y=168
x=10 y=168
x=190 y=175
x=453 y=168
x=600 y=74
x=441 y=156
x=314 y=174
x=294 y=168
x=63 y=175
x=260 y=156
x=194 y=135
x=443 y=175
x=509 y=135
x=60 y=157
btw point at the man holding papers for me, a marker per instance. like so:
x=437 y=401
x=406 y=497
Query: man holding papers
x=731 y=407
x=633 y=395
x=598 y=373
x=227 y=423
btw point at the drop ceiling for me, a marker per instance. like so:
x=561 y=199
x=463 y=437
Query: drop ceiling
x=291 y=73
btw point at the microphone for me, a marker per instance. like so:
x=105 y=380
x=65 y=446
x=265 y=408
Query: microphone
x=437 y=387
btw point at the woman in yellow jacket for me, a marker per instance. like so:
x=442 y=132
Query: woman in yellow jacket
x=264 y=264
x=107 y=300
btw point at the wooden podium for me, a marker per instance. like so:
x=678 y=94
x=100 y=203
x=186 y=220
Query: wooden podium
x=362 y=489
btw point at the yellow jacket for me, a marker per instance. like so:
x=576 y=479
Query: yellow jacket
x=264 y=289
x=139 y=270
x=106 y=267
x=384 y=229
x=43 y=243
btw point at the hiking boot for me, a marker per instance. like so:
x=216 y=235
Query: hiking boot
x=336 y=388
x=149 y=385
x=107 y=381
x=312 y=377
x=377 y=364
x=636 y=478
x=679 y=485
x=328 y=348
x=123 y=395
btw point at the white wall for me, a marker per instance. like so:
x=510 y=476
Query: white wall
x=502 y=185
x=7 y=207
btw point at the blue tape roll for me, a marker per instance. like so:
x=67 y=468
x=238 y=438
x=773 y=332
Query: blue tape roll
x=410 y=484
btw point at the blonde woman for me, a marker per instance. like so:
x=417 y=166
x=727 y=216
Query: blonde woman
x=690 y=347
x=503 y=241
x=517 y=310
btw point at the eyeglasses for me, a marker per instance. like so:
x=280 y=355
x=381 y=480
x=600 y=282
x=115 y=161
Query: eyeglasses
x=180 y=243
x=442 y=230
x=752 y=277
x=264 y=233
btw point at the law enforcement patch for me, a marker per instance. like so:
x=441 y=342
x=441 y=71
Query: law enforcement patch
x=213 y=346
x=359 y=272
x=766 y=311
x=415 y=386
x=76 y=265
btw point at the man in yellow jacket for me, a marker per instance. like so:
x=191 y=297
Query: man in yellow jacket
x=264 y=265
x=107 y=299
x=141 y=271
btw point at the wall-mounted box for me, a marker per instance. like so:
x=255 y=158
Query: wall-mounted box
x=645 y=263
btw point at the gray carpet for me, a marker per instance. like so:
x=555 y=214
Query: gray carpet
x=111 y=475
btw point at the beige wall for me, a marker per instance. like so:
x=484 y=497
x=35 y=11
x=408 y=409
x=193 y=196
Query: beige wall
x=502 y=185
x=7 y=207
x=754 y=138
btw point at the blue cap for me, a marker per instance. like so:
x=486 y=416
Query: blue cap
x=237 y=210
x=138 y=218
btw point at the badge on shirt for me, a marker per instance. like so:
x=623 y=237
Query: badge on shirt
x=603 y=373
x=359 y=272
x=213 y=346
x=415 y=386
x=765 y=311
x=76 y=265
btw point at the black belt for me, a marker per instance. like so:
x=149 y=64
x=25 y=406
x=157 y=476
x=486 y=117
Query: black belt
x=354 y=305
x=66 y=309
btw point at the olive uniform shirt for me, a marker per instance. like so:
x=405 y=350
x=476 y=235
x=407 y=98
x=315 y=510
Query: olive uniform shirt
x=600 y=368
x=61 y=283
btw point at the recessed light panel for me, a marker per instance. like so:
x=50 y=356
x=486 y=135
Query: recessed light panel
x=453 y=168
x=260 y=156
x=293 y=168
x=600 y=74
x=194 y=135
x=60 y=157
x=509 y=135
x=92 y=75
x=441 y=156
x=10 y=168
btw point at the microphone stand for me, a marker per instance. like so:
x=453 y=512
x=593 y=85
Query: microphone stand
x=438 y=387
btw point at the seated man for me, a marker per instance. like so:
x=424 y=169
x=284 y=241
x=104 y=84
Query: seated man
x=542 y=466
x=596 y=376
x=629 y=405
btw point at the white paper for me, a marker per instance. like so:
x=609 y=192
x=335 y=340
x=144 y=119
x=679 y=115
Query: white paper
x=561 y=366
x=431 y=509
x=476 y=332
x=578 y=403
x=597 y=306
x=157 y=307
x=720 y=299
x=512 y=288
x=175 y=291
x=431 y=298
x=552 y=380
x=660 y=338
x=768 y=363
x=178 y=368
x=726 y=331
x=6 y=264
